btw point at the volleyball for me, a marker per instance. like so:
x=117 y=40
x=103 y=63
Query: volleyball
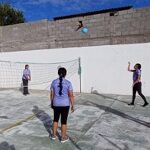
x=85 y=30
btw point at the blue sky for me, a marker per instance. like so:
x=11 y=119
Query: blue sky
x=48 y=9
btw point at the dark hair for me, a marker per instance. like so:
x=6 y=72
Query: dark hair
x=62 y=73
x=26 y=66
x=139 y=65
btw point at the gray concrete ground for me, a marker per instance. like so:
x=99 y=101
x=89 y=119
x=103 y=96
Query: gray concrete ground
x=100 y=122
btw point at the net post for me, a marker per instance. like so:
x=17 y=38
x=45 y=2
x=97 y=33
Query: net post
x=79 y=72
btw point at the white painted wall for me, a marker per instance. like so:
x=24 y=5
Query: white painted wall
x=103 y=67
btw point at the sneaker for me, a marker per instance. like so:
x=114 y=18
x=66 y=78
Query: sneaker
x=145 y=104
x=63 y=140
x=131 y=104
x=53 y=137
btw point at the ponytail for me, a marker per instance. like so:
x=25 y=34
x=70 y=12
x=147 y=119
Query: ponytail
x=60 y=85
x=62 y=73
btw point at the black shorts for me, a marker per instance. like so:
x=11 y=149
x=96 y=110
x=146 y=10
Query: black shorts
x=63 y=111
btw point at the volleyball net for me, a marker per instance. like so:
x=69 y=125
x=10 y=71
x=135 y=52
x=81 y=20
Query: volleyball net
x=42 y=74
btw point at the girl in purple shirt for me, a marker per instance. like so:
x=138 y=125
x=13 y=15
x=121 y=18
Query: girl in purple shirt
x=137 y=85
x=61 y=95
x=25 y=78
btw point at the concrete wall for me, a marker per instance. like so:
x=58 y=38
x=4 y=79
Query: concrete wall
x=104 y=68
x=127 y=26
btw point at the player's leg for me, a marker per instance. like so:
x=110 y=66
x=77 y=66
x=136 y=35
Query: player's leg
x=64 y=116
x=27 y=87
x=24 y=86
x=55 y=122
x=139 y=89
x=133 y=95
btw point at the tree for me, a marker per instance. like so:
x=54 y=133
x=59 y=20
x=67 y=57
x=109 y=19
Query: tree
x=9 y=15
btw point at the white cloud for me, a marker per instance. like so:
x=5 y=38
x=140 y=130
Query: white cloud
x=38 y=2
x=75 y=4
x=80 y=5
x=66 y=4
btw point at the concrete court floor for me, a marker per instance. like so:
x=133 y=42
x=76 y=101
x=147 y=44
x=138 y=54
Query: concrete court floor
x=100 y=122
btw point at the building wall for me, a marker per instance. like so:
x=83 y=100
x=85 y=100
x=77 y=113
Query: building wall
x=104 y=68
x=105 y=50
x=127 y=26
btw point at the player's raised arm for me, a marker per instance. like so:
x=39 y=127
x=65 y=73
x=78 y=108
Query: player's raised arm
x=129 y=67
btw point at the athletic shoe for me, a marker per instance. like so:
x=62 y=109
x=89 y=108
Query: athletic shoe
x=145 y=104
x=63 y=140
x=52 y=137
x=131 y=104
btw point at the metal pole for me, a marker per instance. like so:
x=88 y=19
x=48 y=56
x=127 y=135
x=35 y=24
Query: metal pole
x=79 y=72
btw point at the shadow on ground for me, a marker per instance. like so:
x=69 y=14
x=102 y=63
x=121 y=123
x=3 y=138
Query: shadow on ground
x=48 y=122
x=119 y=113
x=6 y=146
x=44 y=118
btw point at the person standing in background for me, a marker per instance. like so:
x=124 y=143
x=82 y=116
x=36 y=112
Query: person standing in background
x=25 y=78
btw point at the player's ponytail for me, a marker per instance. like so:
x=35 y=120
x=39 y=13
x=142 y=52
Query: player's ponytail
x=62 y=73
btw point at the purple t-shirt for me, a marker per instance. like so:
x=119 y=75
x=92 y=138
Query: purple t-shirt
x=26 y=74
x=136 y=74
x=61 y=100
